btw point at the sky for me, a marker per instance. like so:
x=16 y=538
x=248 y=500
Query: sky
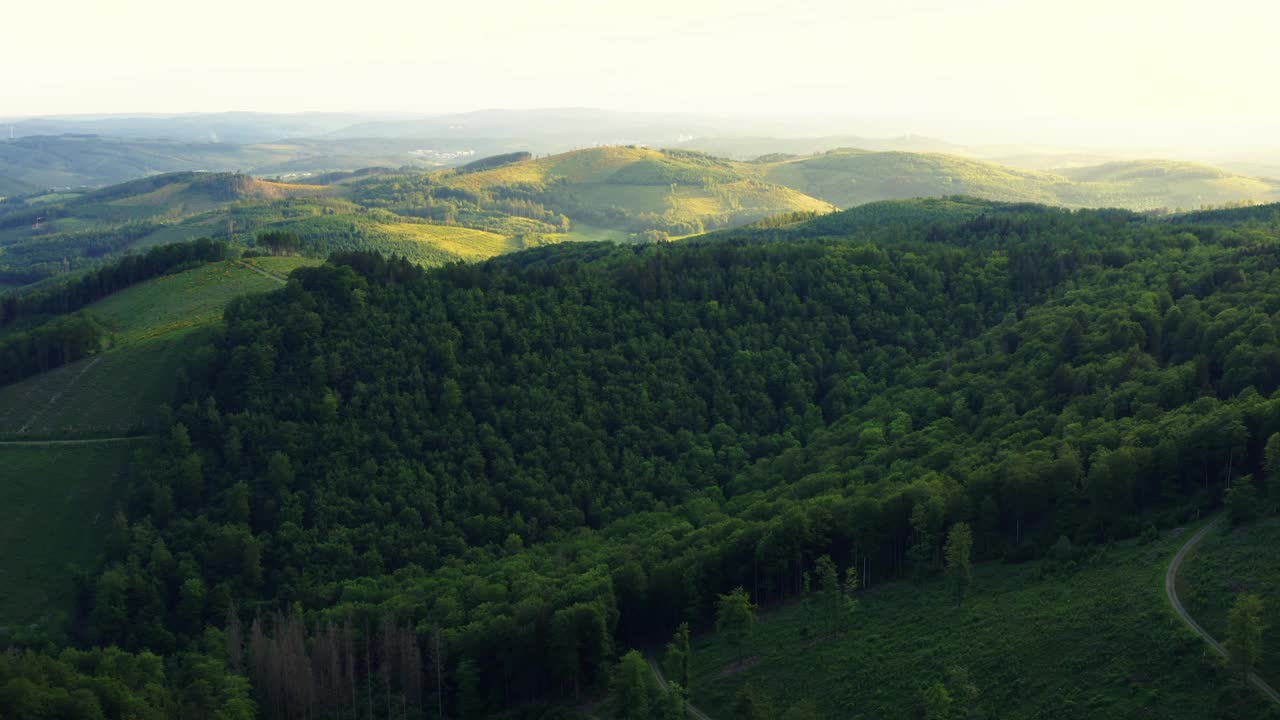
x=1101 y=72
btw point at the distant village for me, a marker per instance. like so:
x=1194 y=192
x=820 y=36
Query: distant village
x=442 y=155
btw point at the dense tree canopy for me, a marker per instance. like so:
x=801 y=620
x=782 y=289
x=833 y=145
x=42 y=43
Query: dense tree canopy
x=537 y=461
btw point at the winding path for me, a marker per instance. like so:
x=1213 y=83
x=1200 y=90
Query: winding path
x=1171 y=589
x=694 y=712
x=261 y=271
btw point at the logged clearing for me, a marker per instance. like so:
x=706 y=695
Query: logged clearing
x=178 y=303
x=466 y=243
x=113 y=393
x=1095 y=642
x=118 y=390
x=56 y=503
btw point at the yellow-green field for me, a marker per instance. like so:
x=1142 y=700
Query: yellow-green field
x=466 y=243
x=630 y=178
x=591 y=165
x=852 y=177
x=581 y=232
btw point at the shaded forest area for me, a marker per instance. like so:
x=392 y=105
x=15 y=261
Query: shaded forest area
x=469 y=489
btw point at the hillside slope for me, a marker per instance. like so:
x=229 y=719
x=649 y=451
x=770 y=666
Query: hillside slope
x=678 y=188
x=66 y=494
x=1093 y=642
x=576 y=448
x=76 y=162
x=853 y=177
x=118 y=391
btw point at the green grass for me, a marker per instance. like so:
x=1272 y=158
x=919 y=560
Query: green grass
x=178 y=303
x=52 y=198
x=1228 y=562
x=156 y=325
x=56 y=503
x=281 y=266
x=1099 y=643
x=114 y=393
x=197 y=227
x=581 y=232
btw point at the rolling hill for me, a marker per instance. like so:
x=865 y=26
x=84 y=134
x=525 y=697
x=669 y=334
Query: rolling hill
x=851 y=177
x=558 y=455
x=57 y=234
x=1143 y=184
x=516 y=201
x=39 y=163
x=641 y=184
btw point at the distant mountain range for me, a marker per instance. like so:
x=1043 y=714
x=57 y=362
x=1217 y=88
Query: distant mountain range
x=77 y=152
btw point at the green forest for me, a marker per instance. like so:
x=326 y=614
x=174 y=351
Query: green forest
x=515 y=201
x=473 y=490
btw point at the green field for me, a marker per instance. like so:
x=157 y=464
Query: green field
x=581 y=232
x=1228 y=562
x=110 y=394
x=56 y=503
x=1100 y=642
x=200 y=226
x=178 y=303
x=117 y=391
x=280 y=267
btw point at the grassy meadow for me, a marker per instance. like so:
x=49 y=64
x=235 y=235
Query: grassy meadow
x=1230 y=561
x=156 y=325
x=56 y=502
x=1100 y=642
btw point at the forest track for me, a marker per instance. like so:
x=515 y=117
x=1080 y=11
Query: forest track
x=260 y=271
x=54 y=398
x=693 y=712
x=80 y=441
x=1171 y=589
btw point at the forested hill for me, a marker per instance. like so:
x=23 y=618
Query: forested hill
x=532 y=463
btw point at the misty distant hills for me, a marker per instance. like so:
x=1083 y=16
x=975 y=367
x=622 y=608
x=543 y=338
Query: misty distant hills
x=843 y=170
x=850 y=177
x=227 y=127
x=41 y=162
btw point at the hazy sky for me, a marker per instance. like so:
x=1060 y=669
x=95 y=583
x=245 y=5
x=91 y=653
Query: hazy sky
x=1113 y=71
